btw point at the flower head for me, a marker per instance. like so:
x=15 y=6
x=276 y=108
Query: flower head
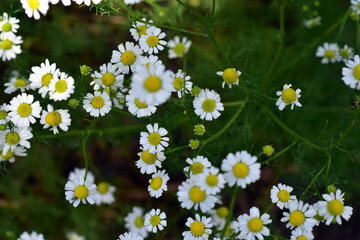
x=288 y=96
x=199 y=228
x=208 y=105
x=155 y=220
x=178 y=47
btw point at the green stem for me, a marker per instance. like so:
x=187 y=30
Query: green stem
x=279 y=153
x=312 y=182
x=358 y=35
x=232 y=104
x=231 y=210
x=83 y=145
x=175 y=149
x=328 y=165
x=213 y=13
x=342 y=26
x=348 y=130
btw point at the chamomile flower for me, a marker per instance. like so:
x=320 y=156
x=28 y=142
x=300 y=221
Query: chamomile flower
x=128 y=57
x=351 y=73
x=74 y=236
x=158 y=183
x=65 y=2
x=130 y=236
x=212 y=181
x=288 y=96
x=134 y=222
x=181 y=83
x=108 y=77
x=139 y=28
x=197 y=165
x=104 y=193
x=241 y=169
x=329 y=52
x=119 y=100
x=297 y=234
x=190 y=195
x=10 y=47
x=80 y=172
x=152 y=84
x=333 y=208
x=10 y=155
x=131 y=2
x=61 y=87
x=97 y=104
x=152 y=41
x=33 y=8
x=149 y=162
x=87 y=2
x=155 y=220
x=199 y=129
x=300 y=215
x=346 y=53
x=55 y=118
x=280 y=195
x=268 y=150
x=150 y=60
x=16 y=83
x=154 y=140
x=4 y=116
x=208 y=105
x=42 y=75
x=355 y=6
x=230 y=77
x=10 y=140
x=178 y=48
x=218 y=216
x=80 y=190
x=252 y=226
x=312 y=22
x=138 y=108
x=8 y=25
x=23 y=110
x=31 y=236
x=200 y=228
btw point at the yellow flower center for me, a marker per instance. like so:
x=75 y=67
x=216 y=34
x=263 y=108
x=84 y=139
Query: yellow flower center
x=12 y=138
x=128 y=58
x=255 y=224
x=179 y=49
x=230 y=76
x=6 y=44
x=178 y=83
x=284 y=195
x=301 y=238
x=152 y=83
x=297 y=218
x=268 y=150
x=53 y=119
x=148 y=158
x=197 y=195
x=222 y=212
x=197 y=168
x=208 y=105
x=81 y=192
x=3 y=114
x=155 y=220
x=97 y=102
x=156 y=183
x=288 y=95
x=20 y=83
x=46 y=78
x=154 y=138
x=356 y=72
x=108 y=79
x=141 y=30
x=344 y=53
x=7 y=27
x=140 y=104
x=329 y=54
x=60 y=86
x=197 y=228
x=34 y=4
x=240 y=170
x=152 y=41
x=103 y=187
x=212 y=180
x=335 y=207
x=7 y=156
x=24 y=109
x=139 y=222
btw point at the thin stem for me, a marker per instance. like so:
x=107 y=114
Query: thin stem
x=312 y=182
x=232 y=104
x=342 y=26
x=348 y=130
x=231 y=210
x=83 y=146
x=213 y=12
x=175 y=149
x=328 y=165
x=279 y=153
x=358 y=35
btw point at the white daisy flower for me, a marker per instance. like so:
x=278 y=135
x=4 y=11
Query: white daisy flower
x=252 y=226
x=16 y=83
x=8 y=25
x=178 y=48
x=152 y=84
x=230 y=77
x=329 y=52
x=109 y=76
x=280 y=195
x=10 y=46
x=138 y=108
x=42 y=75
x=33 y=8
x=199 y=129
x=200 y=228
x=10 y=155
x=218 y=216
x=208 y=105
x=74 y=236
x=346 y=53
x=4 y=116
x=23 y=110
x=97 y=104
x=119 y=100
x=131 y=2
x=134 y=222
x=312 y=22
x=155 y=220
x=31 y=236
x=355 y=6
x=241 y=169
x=87 y=2
x=297 y=234
x=81 y=172
x=154 y=140
x=61 y=87
x=149 y=162
x=197 y=165
x=130 y=236
x=158 y=183
x=190 y=195
x=80 y=190
x=152 y=41
x=351 y=73
x=212 y=181
x=181 y=83
x=55 y=118
x=139 y=28
x=65 y=2
x=128 y=57
x=104 y=193
x=10 y=140
x=300 y=215
x=333 y=208
x=150 y=60
x=288 y=96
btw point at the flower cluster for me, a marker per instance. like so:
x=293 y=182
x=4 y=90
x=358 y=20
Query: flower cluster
x=9 y=42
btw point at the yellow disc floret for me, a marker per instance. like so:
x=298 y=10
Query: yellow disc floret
x=140 y=104
x=20 y=83
x=139 y=222
x=212 y=180
x=152 y=83
x=152 y=41
x=302 y=237
x=230 y=76
x=335 y=207
x=53 y=119
x=6 y=44
x=34 y=4
x=329 y=54
x=178 y=83
x=179 y=49
x=3 y=114
x=255 y=224
x=156 y=183
x=7 y=27
x=155 y=220
x=197 y=228
x=97 y=102
x=141 y=30
x=12 y=138
x=222 y=212
x=208 y=105
x=81 y=192
x=241 y=170
x=297 y=218
x=128 y=58
x=46 y=78
x=284 y=195
x=6 y=156
x=103 y=187
x=197 y=168
x=288 y=95
x=148 y=158
x=154 y=138
x=356 y=72
x=60 y=86
x=197 y=195
x=24 y=109
x=108 y=79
